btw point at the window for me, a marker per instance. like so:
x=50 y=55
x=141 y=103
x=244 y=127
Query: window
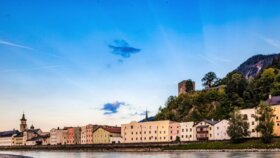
x=182 y=130
x=190 y=136
x=131 y=127
x=182 y=136
x=210 y=135
x=245 y=117
x=253 y=130
x=253 y=123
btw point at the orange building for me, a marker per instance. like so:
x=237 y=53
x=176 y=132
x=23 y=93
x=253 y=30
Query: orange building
x=275 y=104
x=74 y=135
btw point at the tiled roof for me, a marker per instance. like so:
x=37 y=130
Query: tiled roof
x=211 y=122
x=110 y=129
x=8 y=133
x=275 y=100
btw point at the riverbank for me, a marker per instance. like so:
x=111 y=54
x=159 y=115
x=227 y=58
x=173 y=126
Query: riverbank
x=249 y=145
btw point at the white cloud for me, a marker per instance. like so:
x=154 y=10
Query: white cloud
x=14 y=45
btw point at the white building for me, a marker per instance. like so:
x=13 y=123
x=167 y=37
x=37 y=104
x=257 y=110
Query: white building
x=249 y=116
x=84 y=135
x=187 y=131
x=211 y=130
x=115 y=140
x=220 y=130
x=58 y=136
x=6 y=137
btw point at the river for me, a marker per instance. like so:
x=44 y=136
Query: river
x=89 y=154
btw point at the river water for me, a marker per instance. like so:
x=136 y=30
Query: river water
x=89 y=154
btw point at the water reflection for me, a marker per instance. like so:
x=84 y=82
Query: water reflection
x=89 y=154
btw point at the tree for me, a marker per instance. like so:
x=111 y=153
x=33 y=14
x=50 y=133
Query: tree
x=238 y=127
x=209 y=79
x=265 y=117
x=189 y=86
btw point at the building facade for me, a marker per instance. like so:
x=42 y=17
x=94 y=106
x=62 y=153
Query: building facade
x=250 y=116
x=174 y=131
x=83 y=135
x=106 y=134
x=58 y=136
x=18 y=139
x=145 y=132
x=187 y=131
x=74 y=135
x=220 y=130
x=6 y=137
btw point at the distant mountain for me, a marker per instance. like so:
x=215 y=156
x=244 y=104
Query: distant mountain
x=254 y=65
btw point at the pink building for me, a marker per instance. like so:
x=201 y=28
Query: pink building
x=174 y=131
x=70 y=135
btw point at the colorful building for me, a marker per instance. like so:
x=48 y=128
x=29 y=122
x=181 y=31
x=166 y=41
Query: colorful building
x=74 y=135
x=250 y=116
x=174 y=131
x=105 y=134
x=58 y=136
x=187 y=131
x=144 y=132
x=274 y=101
x=211 y=130
x=6 y=137
x=18 y=139
x=83 y=135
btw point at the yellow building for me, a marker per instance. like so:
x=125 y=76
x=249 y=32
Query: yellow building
x=18 y=139
x=144 y=132
x=276 y=129
x=103 y=134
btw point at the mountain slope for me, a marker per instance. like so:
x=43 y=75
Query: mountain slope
x=254 y=65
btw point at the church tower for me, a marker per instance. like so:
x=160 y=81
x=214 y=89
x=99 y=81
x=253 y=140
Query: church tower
x=23 y=125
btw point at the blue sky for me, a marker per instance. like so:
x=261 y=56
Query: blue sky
x=72 y=63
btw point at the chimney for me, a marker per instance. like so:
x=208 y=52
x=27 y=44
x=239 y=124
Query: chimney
x=269 y=97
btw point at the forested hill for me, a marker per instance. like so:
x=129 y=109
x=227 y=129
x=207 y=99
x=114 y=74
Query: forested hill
x=220 y=96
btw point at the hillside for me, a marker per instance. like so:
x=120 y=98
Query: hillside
x=245 y=87
x=254 y=65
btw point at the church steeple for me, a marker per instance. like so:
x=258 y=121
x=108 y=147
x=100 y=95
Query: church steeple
x=23 y=125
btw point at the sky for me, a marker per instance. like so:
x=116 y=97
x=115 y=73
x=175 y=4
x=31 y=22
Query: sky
x=71 y=63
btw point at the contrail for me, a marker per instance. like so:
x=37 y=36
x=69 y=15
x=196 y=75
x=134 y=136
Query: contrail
x=15 y=45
